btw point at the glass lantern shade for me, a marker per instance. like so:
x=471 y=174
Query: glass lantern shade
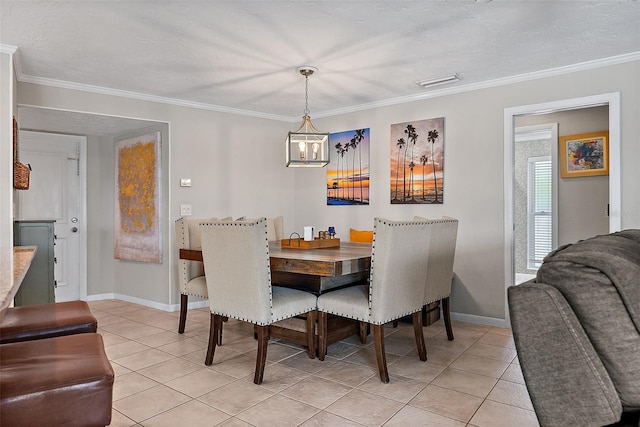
x=307 y=147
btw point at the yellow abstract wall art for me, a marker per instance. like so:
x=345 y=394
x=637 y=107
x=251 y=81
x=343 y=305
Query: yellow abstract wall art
x=138 y=234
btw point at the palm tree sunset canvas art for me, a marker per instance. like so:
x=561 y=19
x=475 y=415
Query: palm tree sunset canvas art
x=417 y=162
x=348 y=172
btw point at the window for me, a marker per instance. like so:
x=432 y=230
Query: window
x=539 y=212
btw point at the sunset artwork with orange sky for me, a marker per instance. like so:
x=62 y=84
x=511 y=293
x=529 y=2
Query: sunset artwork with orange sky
x=348 y=172
x=417 y=162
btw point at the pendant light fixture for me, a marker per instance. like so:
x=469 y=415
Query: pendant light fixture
x=307 y=146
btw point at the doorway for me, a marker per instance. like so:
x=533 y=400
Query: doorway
x=535 y=196
x=57 y=192
x=612 y=101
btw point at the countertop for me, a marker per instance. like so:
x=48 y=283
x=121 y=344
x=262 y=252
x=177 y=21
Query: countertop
x=14 y=263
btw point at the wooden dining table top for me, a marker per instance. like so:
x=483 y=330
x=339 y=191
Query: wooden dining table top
x=316 y=270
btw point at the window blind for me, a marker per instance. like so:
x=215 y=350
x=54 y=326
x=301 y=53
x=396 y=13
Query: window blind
x=539 y=218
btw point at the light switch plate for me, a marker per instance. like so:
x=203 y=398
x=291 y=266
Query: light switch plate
x=185 y=182
x=185 y=210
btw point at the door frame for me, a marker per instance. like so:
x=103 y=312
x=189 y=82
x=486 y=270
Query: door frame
x=615 y=204
x=82 y=213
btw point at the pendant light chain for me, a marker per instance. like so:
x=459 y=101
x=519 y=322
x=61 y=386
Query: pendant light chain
x=306 y=95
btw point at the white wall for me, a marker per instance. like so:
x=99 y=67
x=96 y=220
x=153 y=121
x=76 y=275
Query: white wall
x=236 y=164
x=7 y=111
x=100 y=190
x=473 y=176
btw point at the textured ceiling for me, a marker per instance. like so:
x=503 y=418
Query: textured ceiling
x=243 y=54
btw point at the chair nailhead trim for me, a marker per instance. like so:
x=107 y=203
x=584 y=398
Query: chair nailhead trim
x=261 y=323
x=373 y=323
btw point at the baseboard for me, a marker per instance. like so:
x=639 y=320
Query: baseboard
x=481 y=320
x=195 y=304
x=469 y=318
x=147 y=303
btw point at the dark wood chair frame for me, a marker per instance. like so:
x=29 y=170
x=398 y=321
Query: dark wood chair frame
x=378 y=337
x=263 y=340
x=446 y=314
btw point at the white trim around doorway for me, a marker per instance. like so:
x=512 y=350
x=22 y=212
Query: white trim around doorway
x=615 y=222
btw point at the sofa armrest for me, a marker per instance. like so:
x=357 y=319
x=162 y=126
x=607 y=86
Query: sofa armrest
x=566 y=379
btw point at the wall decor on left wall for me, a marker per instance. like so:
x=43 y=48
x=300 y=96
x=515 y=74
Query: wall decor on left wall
x=138 y=233
x=21 y=172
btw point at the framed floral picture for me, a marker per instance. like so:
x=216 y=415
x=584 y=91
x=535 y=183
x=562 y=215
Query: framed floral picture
x=585 y=154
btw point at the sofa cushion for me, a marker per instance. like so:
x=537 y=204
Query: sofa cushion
x=600 y=279
x=566 y=379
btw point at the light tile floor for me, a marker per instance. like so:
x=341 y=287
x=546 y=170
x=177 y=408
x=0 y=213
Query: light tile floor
x=161 y=379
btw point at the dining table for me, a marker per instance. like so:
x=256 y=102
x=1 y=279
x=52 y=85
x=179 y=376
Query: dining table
x=316 y=270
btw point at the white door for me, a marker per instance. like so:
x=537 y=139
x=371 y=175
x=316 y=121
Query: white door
x=55 y=193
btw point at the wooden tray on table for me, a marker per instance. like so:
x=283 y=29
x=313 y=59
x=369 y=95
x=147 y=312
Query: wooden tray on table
x=309 y=244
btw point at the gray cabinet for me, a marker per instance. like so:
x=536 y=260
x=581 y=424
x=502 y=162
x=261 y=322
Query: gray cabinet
x=38 y=286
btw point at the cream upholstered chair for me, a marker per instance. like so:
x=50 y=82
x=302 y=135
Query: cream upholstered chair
x=191 y=273
x=396 y=287
x=236 y=258
x=444 y=233
x=275 y=227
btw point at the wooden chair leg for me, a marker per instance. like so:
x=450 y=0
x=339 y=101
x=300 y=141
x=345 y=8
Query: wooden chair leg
x=417 y=330
x=446 y=313
x=184 y=302
x=396 y=323
x=381 y=357
x=311 y=333
x=261 y=357
x=364 y=329
x=322 y=335
x=214 y=332
x=219 y=329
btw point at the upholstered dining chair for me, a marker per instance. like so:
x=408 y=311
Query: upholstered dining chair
x=444 y=233
x=191 y=273
x=275 y=227
x=236 y=259
x=395 y=290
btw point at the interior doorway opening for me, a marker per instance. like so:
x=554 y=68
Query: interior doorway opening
x=535 y=197
x=612 y=102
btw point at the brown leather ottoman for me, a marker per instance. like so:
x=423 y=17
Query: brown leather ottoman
x=31 y=322
x=56 y=381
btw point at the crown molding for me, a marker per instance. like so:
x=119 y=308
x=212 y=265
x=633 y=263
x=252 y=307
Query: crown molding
x=525 y=133
x=152 y=98
x=7 y=49
x=582 y=66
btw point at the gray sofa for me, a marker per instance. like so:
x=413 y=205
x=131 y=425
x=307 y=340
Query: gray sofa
x=576 y=328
